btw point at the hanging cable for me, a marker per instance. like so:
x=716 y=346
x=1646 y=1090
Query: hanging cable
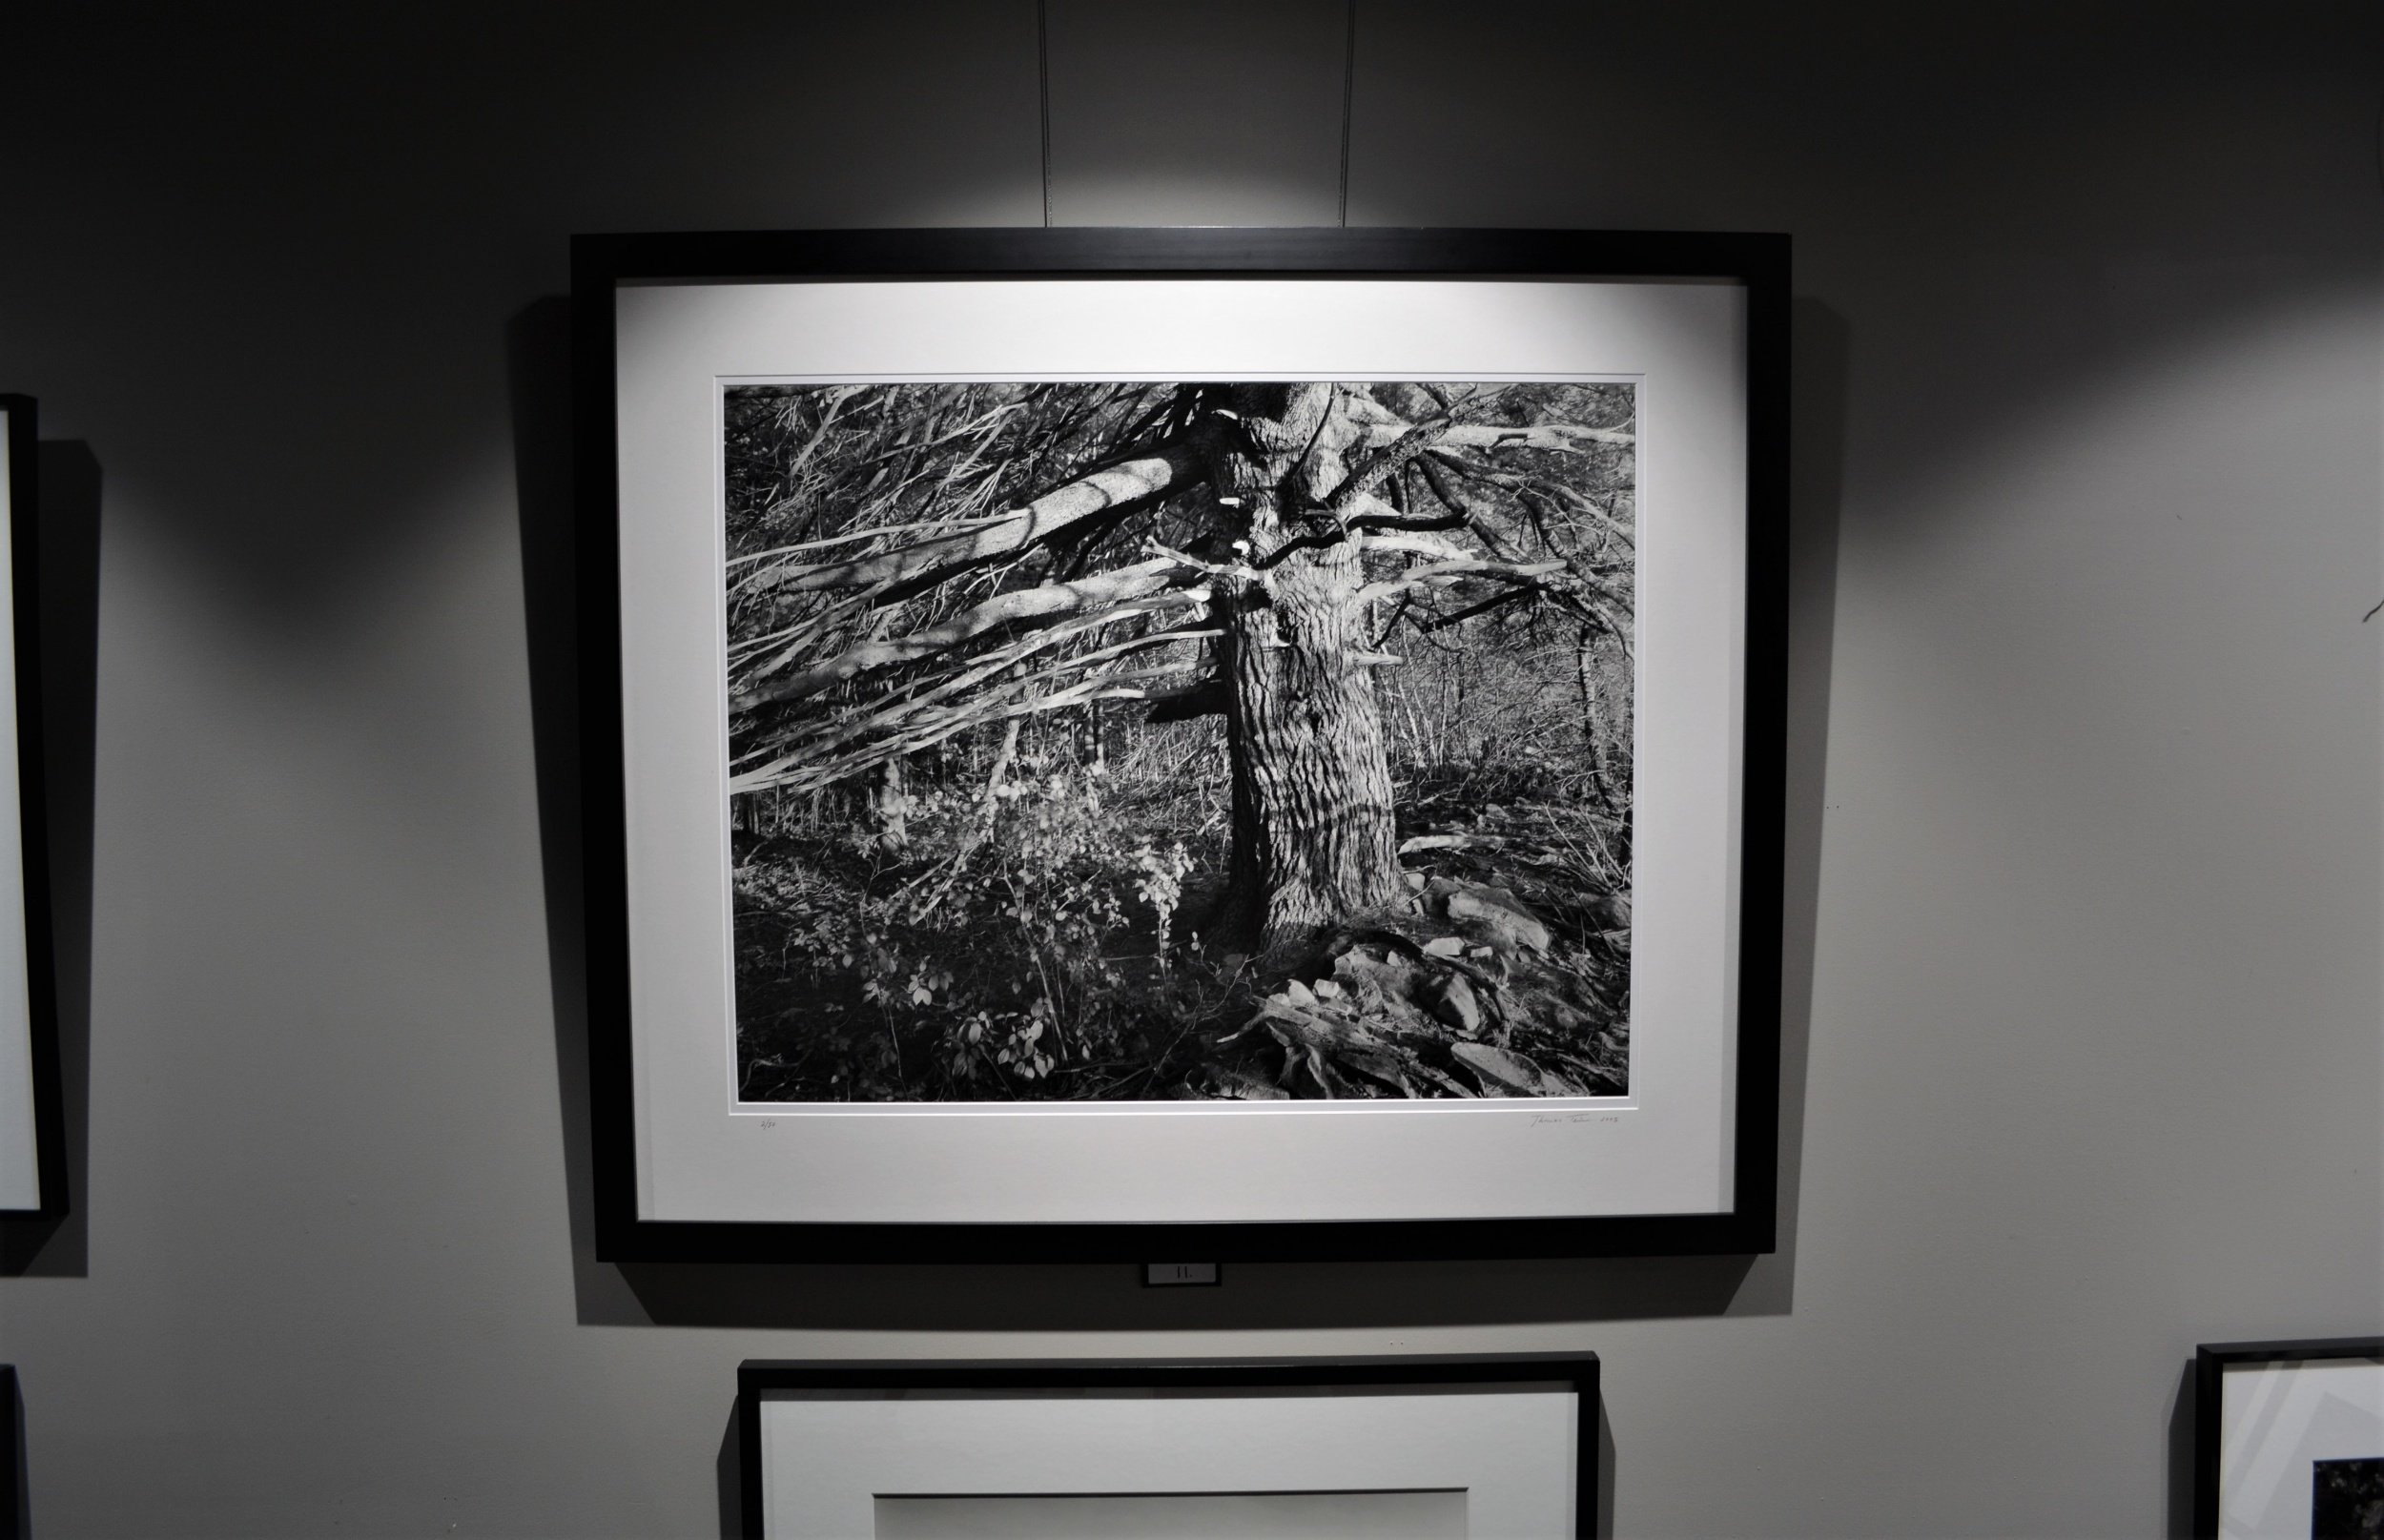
x=1042 y=83
x=1348 y=94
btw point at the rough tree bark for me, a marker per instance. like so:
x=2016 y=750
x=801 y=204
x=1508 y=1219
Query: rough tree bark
x=1314 y=839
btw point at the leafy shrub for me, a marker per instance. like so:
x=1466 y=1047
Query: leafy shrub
x=1001 y=961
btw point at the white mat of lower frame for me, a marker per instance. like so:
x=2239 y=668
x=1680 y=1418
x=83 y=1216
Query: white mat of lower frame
x=1490 y=1463
x=1379 y=1515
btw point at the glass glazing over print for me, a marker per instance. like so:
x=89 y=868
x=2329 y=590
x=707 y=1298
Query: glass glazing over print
x=1144 y=741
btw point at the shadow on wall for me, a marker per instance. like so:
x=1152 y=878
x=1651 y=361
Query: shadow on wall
x=2182 y=1415
x=1605 y=1471
x=538 y=358
x=16 y=1497
x=1079 y=1298
x=1817 y=454
x=729 y=1471
x=70 y=659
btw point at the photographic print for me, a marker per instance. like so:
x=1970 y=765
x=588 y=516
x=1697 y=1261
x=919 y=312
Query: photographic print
x=1133 y=741
x=2347 y=1499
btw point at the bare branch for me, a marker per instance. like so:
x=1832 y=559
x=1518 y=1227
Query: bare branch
x=947 y=526
x=815 y=762
x=1379 y=466
x=1495 y=601
x=1563 y=436
x=1420 y=544
x=927 y=695
x=1053 y=601
x=1451 y=571
x=1369 y=513
x=1527 y=487
x=1140 y=480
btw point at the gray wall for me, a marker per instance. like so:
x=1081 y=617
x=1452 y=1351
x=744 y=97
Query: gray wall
x=2084 y=1059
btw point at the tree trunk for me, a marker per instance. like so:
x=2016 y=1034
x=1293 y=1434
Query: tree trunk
x=1312 y=831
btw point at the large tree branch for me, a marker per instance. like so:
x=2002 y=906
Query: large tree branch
x=1382 y=462
x=1527 y=487
x=992 y=671
x=1420 y=544
x=1140 y=480
x=1495 y=601
x=1580 y=502
x=813 y=777
x=1367 y=513
x=1543 y=435
x=1439 y=572
x=1379 y=426
x=861 y=740
x=1051 y=602
x=853 y=537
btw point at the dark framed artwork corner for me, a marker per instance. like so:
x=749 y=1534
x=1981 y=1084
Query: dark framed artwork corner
x=1111 y=744
x=33 y=1130
x=1500 y=1447
x=2289 y=1439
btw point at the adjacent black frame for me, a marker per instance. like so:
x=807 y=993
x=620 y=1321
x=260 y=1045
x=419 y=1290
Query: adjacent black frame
x=16 y=1519
x=2210 y=1362
x=756 y=1376
x=603 y=263
x=23 y=414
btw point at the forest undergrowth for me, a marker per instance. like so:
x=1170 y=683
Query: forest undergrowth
x=1024 y=922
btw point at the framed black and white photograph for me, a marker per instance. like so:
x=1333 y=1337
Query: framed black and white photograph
x=1426 y=1448
x=2289 y=1440
x=32 y=1137
x=1096 y=739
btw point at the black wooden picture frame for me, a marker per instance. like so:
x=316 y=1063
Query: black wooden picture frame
x=2212 y=1363
x=15 y=1495
x=22 y=416
x=607 y=266
x=758 y=1379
